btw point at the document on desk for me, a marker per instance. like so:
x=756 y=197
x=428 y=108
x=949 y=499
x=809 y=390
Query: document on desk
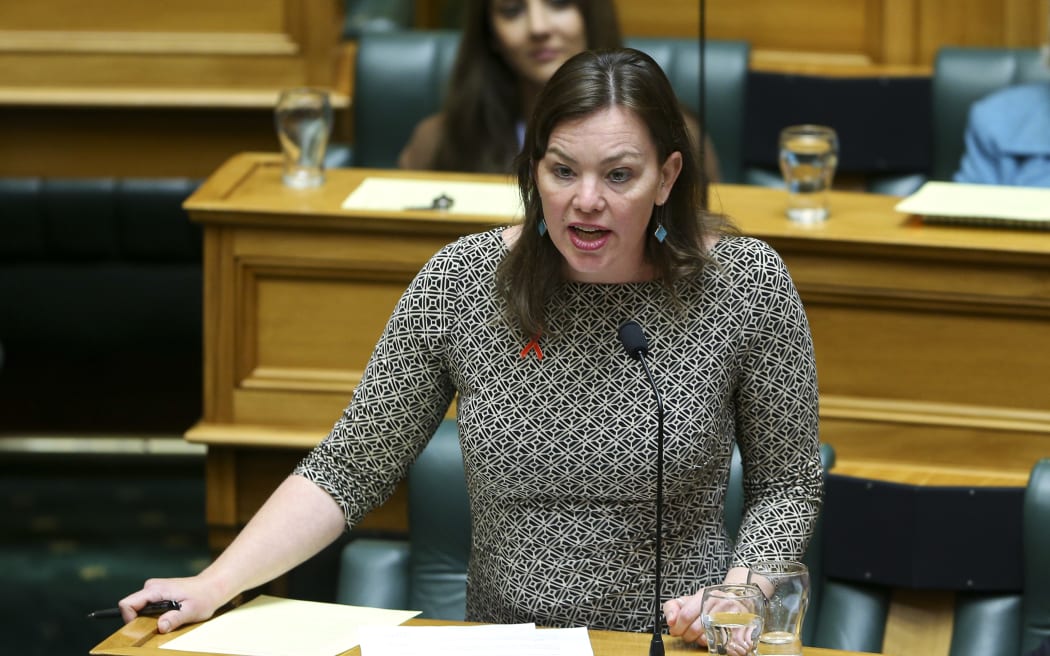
x=272 y=626
x=979 y=204
x=399 y=194
x=481 y=640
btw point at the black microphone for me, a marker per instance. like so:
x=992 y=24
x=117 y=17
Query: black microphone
x=634 y=342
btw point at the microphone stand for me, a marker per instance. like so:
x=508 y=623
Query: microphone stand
x=705 y=180
x=633 y=339
x=656 y=647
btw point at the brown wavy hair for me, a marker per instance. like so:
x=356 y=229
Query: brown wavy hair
x=587 y=83
x=484 y=103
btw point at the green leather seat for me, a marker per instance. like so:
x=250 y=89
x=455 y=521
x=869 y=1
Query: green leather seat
x=1013 y=624
x=1035 y=617
x=428 y=571
x=400 y=78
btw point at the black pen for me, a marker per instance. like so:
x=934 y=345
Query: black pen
x=149 y=610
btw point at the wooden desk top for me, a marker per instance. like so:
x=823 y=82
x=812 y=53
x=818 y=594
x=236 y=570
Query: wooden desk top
x=247 y=189
x=140 y=638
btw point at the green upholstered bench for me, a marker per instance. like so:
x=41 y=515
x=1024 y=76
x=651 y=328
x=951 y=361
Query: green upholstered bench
x=101 y=287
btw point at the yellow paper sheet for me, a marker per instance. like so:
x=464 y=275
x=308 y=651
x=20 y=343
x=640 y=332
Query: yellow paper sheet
x=974 y=203
x=272 y=626
x=473 y=198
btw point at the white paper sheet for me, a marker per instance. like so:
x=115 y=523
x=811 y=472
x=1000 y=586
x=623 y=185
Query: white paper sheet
x=397 y=194
x=272 y=626
x=483 y=640
x=984 y=204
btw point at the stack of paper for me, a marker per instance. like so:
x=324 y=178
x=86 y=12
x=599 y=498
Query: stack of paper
x=952 y=202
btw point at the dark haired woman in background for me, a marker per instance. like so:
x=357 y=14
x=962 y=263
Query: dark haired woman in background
x=509 y=49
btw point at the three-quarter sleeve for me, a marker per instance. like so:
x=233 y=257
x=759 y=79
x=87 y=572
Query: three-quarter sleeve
x=404 y=393
x=777 y=418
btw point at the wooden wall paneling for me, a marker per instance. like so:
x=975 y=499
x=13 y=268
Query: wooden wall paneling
x=136 y=16
x=668 y=18
x=117 y=88
x=892 y=31
x=1026 y=23
x=846 y=36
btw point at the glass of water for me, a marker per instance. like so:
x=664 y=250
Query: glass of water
x=732 y=615
x=808 y=157
x=786 y=585
x=304 y=121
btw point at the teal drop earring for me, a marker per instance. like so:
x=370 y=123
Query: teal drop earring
x=660 y=233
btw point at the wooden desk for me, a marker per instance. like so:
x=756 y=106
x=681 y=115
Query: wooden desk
x=930 y=341
x=140 y=638
x=296 y=294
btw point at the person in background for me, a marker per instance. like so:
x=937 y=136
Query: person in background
x=1008 y=136
x=556 y=421
x=509 y=49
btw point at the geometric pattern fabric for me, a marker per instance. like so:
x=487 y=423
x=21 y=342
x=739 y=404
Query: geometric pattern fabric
x=559 y=451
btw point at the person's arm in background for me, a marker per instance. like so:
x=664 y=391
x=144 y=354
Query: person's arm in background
x=418 y=154
x=980 y=160
x=714 y=173
x=296 y=522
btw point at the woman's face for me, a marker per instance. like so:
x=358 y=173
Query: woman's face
x=535 y=37
x=598 y=182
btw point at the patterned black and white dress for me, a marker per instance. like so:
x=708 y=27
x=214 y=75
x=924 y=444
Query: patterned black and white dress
x=559 y=451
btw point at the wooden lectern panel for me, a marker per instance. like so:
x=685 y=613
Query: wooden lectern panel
x=929 y=339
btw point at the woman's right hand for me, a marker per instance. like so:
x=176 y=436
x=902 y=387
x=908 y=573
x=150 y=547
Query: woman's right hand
x=198 y=599
x=297 y=521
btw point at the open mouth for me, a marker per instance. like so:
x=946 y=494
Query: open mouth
x=588 y=237
x=588 y=233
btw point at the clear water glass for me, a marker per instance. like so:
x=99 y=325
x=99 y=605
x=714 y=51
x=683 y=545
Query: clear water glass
x=732 y=615
x=786 y=586
x=809 y=155
x=303 y=118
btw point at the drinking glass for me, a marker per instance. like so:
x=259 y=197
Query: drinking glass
x=808 y=157
x=732 y=617
x=304 y=120
x=786 y=586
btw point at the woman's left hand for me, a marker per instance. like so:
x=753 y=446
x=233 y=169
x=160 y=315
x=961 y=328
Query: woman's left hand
x=683 y=614
x=683 y=618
